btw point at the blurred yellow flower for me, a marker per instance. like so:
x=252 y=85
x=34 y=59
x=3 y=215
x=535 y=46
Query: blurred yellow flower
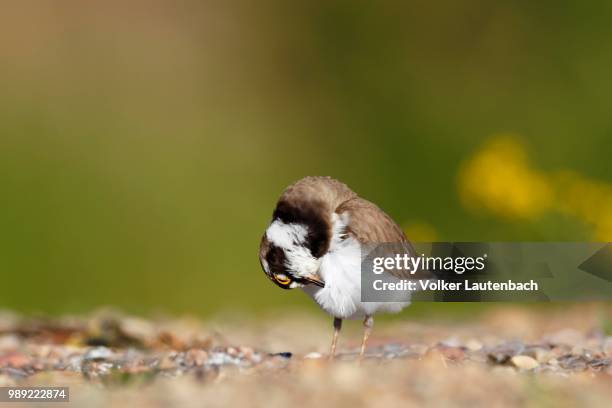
x=589 y=200
x=498 y=179
x=603 y=228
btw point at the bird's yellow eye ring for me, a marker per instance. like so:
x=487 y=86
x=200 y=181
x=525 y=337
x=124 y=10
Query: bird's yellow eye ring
x=282 y=280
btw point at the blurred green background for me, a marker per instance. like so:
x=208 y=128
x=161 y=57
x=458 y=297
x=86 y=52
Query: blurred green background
x=143 y=144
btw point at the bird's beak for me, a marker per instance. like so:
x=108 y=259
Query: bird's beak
x=315 y=280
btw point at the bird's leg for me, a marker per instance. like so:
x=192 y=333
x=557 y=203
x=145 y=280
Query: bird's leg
x=337 y=327
x=368 y=323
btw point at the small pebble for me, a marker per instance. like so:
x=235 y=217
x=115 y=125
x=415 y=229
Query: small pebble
x=473 y=345
x=451 y=342
x=524 y=362
x=98 y=353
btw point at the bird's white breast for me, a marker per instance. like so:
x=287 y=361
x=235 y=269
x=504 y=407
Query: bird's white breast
x=340 y=268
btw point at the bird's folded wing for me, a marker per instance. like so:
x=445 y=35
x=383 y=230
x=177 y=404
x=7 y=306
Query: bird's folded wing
x=371 y=226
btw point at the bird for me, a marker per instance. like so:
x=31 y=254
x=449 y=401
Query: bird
x=314 y=242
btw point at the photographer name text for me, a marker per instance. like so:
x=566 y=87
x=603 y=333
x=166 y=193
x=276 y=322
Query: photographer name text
x=435 y=285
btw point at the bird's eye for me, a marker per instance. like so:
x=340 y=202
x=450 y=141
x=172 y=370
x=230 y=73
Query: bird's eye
x=282 y=279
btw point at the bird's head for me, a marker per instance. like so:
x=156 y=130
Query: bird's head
x=286 y=257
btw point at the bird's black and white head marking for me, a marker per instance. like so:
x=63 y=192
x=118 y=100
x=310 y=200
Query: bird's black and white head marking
x=293 y=244
x=311 y=217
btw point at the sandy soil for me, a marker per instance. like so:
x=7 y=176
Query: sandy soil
x=508 y=357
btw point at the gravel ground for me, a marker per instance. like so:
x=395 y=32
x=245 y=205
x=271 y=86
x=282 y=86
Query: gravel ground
x=508 y=357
